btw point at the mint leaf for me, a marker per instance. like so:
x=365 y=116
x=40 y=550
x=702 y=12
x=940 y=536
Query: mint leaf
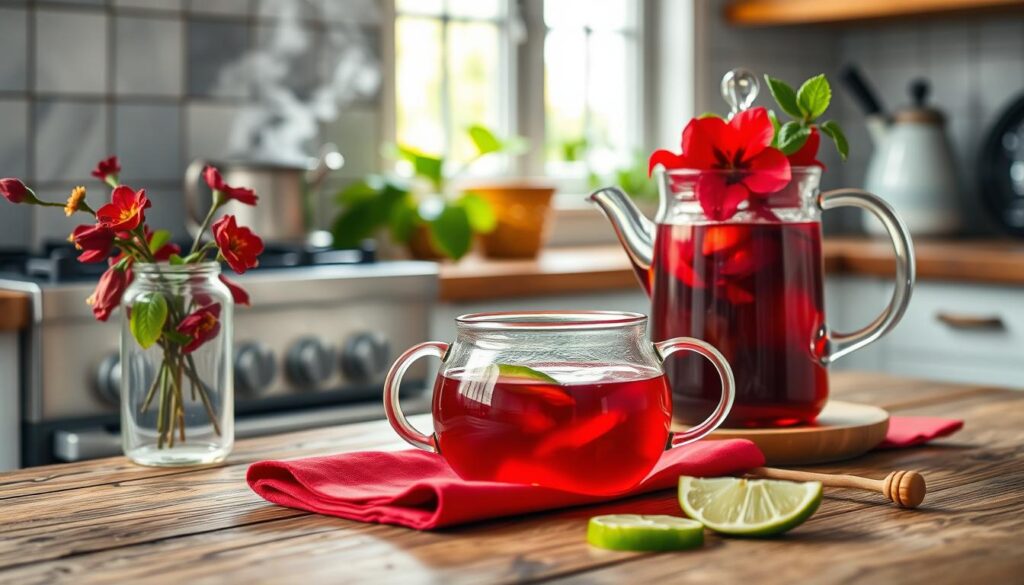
x=832 y=129
x=159 y=238
x=813 y=97
x=784 y=96
x=484 y=140
x=450 y=232
x=792 y=137
x=480 y=214
x=149 y=313
x=776 y=125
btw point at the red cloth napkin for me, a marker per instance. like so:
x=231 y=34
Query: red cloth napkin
x=907 y=431
x=417 y=489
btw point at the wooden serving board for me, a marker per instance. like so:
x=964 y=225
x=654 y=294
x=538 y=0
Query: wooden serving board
x=843 y=430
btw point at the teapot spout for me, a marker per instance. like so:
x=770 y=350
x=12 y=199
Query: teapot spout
x=635 y=231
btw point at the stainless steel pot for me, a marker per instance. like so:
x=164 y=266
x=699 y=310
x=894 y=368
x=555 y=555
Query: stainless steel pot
x=285 y=193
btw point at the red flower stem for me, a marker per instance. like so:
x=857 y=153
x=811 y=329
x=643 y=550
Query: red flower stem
x=191 y=372
x=152 y=387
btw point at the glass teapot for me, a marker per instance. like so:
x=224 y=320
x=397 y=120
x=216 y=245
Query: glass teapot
x=750 y=285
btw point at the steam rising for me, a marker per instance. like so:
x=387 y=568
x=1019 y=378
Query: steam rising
x=300 y=76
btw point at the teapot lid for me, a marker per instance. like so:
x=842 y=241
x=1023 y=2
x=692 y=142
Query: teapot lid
x=918 y=112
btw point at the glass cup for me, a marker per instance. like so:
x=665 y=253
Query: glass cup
x=573 y=400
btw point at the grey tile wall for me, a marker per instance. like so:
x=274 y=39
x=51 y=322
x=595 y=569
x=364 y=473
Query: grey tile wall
x=157 y=82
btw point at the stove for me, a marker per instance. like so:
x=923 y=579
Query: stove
x=312 y=350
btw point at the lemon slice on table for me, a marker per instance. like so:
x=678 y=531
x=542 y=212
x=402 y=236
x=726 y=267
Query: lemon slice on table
x=644 y=533
x=748 y=507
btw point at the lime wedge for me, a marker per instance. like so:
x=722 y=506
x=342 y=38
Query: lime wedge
x=644 y=533
x=510 y=371
x=748 y=507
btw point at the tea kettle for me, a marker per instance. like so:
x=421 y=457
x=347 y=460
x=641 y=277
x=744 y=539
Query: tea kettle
x=913 y=166
x=284 y=191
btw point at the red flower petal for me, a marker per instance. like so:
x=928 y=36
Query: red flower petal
x=769 y=171
x=667 y=159
x=718 y=199
x=212 y=177
x=808 y=154
x=240 y=296
x=702 y=137
x=752 y=131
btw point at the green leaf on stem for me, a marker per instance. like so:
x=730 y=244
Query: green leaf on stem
x=354 y=225
x=792 y=137
x=450 y=232
x=813 y=97
x=159 y=239
x=175 y=260
x=484 y=140
x=784 y=95
x=833 y=131
x=403 y=220
x=177 y=338
x=427 y=166
x=776 y=125
x=149 y=314
x=482 y=218
x=360 y=190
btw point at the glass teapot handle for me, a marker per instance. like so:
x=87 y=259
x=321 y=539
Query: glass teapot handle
x=392 y=383
x=840 y=344
x=708 y=351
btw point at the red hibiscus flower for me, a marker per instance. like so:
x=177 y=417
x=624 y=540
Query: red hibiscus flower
x=111 y=287
x=201 y=325
x=741 y=148
x=238 y=245
x=808 y=154
x=125 y=211
x=109 y=167
x=216 y=182
x=15 y=191
x=237 y=293
x=95 y=241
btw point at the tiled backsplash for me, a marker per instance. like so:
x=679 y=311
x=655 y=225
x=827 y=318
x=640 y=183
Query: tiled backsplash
x=160 y=82
x=975 y=64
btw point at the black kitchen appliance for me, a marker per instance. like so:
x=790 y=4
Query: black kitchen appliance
x=1001 y=169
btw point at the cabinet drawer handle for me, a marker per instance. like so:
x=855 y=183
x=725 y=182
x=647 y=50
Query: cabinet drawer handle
x=974 y=322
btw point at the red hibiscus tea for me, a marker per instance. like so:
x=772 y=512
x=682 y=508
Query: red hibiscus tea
x=754 y=291
x=599 y=429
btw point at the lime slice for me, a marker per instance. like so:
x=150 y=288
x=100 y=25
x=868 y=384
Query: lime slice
x=510 y=371
x=748 y=507
x=644 y=533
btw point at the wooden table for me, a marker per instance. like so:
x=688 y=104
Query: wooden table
x=108 y=521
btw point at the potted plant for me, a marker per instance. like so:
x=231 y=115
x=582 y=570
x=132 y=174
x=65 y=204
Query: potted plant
x=422 y=211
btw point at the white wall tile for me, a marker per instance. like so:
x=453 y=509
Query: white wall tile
x=71 y=51
x=149 y=58
x=14 y=48
x=70 y=137
x=208 y=127
x=158 y=5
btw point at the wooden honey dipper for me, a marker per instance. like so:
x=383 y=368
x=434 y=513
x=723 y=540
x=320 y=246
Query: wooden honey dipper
x=904 y=488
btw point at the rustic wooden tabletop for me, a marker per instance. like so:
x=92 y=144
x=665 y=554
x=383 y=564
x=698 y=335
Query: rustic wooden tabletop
x=108 y=521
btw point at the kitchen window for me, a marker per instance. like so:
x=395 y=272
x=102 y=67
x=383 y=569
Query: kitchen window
x=456 y=61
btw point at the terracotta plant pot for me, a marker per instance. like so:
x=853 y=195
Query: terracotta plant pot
x=420 y=246
x=522 y=214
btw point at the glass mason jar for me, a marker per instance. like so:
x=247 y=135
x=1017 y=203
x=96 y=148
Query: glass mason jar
x=177 y=399
x=748 y=279
x=574 y=400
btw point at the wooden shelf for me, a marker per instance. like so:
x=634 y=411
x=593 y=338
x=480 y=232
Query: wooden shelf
x=788 y=12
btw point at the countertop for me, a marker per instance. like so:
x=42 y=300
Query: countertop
x=108 y=521
x=579 y=270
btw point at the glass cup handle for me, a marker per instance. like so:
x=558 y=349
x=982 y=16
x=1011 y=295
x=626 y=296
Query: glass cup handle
x=669 y=347
x=391 y=385
x=840 y=344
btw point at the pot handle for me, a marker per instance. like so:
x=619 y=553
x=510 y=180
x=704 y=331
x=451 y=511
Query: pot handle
x=391 y=385
x=840 y=344
x=669 y=347
x=193 y=214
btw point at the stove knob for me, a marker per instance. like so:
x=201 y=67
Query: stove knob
x=108 y=379
x=254 y=368
x=310 y=362
x=365 y=357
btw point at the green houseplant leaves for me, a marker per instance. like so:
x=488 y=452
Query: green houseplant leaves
x=149 y=314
